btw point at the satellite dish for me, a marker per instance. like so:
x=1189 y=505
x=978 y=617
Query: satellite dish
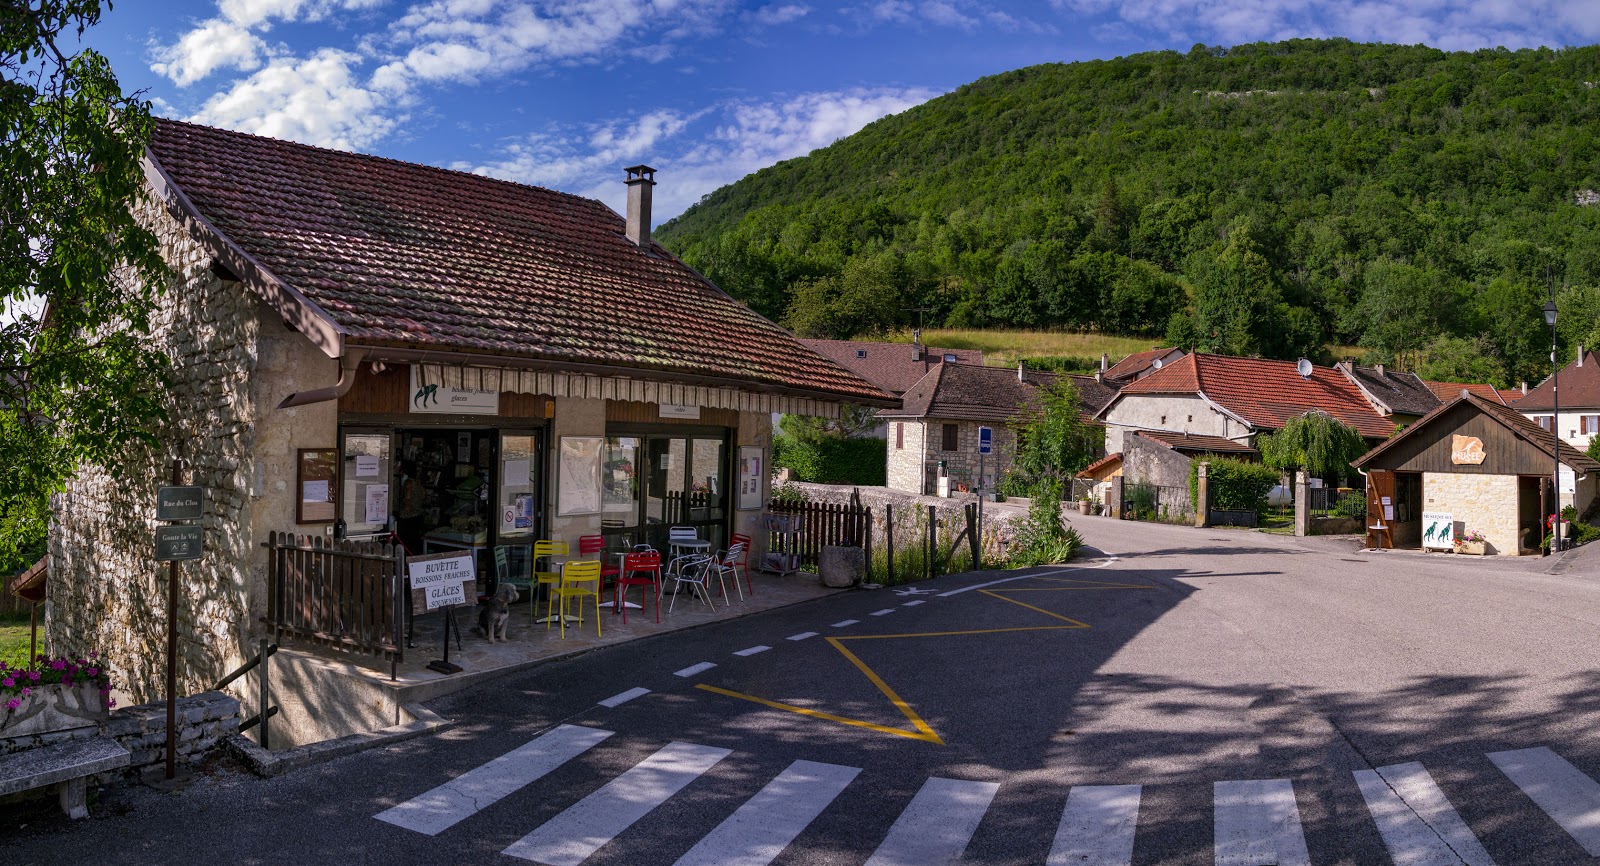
x=1304 y=367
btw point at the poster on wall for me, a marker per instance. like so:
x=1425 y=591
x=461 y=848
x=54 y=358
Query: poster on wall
x=578 y=476
x=1438 y=530
x=750 y=477
x=317 y=470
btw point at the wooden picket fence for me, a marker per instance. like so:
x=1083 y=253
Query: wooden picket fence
x=824 y=524
x=345 y=595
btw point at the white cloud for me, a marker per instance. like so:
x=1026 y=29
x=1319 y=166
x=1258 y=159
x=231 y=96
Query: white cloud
x=214 y=44
x=1446 y=24
x=692 y=161
x=776 y=14
x=317 y=100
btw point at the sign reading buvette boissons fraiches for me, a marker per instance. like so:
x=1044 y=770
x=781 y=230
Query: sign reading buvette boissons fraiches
x=442 y=577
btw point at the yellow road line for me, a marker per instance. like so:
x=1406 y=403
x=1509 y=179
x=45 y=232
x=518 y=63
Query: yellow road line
x=921 y=729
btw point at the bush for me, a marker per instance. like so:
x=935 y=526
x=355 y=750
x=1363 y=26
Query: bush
x=789 y=493
x=833 y=461
x=1234 y=484
x=1043 y=539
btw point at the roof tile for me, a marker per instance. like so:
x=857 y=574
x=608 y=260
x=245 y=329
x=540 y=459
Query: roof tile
x=1266 y=393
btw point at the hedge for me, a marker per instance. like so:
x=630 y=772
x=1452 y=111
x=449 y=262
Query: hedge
x=834 y=461
x=1233 y=484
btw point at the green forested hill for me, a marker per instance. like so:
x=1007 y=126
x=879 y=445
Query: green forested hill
x=1266 y=199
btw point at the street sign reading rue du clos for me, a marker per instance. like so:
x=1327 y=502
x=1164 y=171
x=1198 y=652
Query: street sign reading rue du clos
x=180 y=503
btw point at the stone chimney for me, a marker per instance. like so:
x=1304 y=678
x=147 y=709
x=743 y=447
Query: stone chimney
x=1580 y=354
x=1105 y=362
x=641 y=178
x=1380 y=371
x=1524 y=387
x=1020 y=368
x=918 y=351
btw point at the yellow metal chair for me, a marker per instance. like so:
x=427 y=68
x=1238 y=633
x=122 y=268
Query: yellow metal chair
x=550 y=578
x=579 y=578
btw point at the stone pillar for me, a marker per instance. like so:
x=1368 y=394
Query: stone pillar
x=1114 y=498
x=1202 y=496
x=1302 y=504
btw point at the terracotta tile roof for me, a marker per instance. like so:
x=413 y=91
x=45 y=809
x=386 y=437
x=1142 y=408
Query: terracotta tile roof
x=1580 y=387
x=415 y=257
x=977 y=393
x=1196 y=443
x=1510 y=396
x=1112 y=459
x=893 y=367
x=1519 y=424
x=1398 y=392
x=1266 y=393
x=1448 y=391
x=1134 y=364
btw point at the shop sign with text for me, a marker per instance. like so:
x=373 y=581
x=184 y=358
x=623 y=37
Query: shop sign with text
x=444 y=400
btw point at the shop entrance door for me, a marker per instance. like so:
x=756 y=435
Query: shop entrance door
x=652 y=482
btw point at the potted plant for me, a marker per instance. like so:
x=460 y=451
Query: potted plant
x=53 y=695
x=1084 y=505
x=1470 y=543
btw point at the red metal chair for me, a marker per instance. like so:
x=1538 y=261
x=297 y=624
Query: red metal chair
x=648 y=564
x=589 y=545
x=742 y=561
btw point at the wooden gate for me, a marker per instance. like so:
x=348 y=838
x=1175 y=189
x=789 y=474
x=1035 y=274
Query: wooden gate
x=345 y=595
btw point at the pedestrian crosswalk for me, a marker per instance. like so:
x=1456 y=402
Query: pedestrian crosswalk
x=1255 y=821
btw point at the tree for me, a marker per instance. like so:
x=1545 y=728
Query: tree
x=1316 y=442
x=1053 y=439
x=77 y=382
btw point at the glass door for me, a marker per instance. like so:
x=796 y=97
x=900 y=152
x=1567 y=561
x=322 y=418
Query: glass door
x=365 y=496
x=520 y=511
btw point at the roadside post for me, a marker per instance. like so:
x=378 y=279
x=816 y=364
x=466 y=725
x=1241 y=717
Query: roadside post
x=985 y=445
x=177 y=504
x=442 y=580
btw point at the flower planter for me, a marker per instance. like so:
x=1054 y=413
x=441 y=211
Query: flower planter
x=1084 y=506
x=1473 y=548
x=51 y=708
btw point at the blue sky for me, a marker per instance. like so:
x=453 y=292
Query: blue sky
x=565 y=93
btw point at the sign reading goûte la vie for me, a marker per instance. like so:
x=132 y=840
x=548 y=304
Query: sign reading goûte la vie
x=441 y=577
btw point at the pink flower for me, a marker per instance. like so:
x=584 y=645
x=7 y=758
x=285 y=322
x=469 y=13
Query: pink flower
x=8 y=682
x=33 y=675
x=26 y=691
x=58 y=665
x=94 y=672
x=111 y=703
x=13 y=703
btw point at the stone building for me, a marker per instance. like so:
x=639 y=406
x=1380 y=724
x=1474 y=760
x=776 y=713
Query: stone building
x=1579 y=424
x=359 y=342
x=1472 y=465
x=936 y=430
x=893 y=367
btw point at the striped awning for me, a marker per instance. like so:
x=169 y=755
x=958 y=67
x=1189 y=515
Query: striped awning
x=556 y=384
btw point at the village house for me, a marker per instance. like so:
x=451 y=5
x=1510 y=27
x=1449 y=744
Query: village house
x=1139 y=364
x=935 y=432
x=1579 y=394
x=893 y=367
x=1402 y=397
x=360 y=343
x=1471 y=468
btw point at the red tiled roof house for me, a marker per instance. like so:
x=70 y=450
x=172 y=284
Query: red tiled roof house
x=358 y=340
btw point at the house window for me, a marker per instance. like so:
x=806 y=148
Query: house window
x=899 y=434
x=950 y=357
x=1544 y=421
x=1589 y=425
x=861 y=353
x=952 y=437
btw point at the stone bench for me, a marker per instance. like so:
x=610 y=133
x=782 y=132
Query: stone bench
x=68 y=765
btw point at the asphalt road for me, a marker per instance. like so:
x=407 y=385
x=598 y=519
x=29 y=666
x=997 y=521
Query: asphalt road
x=1207 y=696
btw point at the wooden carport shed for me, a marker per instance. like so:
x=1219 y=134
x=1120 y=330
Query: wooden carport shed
x=1484 y=464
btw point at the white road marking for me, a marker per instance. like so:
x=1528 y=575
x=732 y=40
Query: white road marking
x=912 y=603
x=845 y=623
x=935 y=828
x=1111 y=560
x=752 y=651
x=1569 y=797
x=691 y=670
x=479 y=788
x=1258 y=822
x=1097 y=827
x=1416 y=820
x=886 y=610
x=619 y=700
x=570 y=837
x=758 y=831
x=802 y=636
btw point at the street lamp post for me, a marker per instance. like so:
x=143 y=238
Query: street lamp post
x=1555 y=423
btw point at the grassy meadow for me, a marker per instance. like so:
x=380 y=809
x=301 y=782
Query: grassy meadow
x=1005 y=348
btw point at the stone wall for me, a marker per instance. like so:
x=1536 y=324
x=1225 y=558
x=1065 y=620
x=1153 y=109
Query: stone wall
x=203 y=721
x=1147 y=462
x=911 y=521
x=107 y=593
x=1179 y=414
x=962 y=464
x=907 y=472
x=1485 y=503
